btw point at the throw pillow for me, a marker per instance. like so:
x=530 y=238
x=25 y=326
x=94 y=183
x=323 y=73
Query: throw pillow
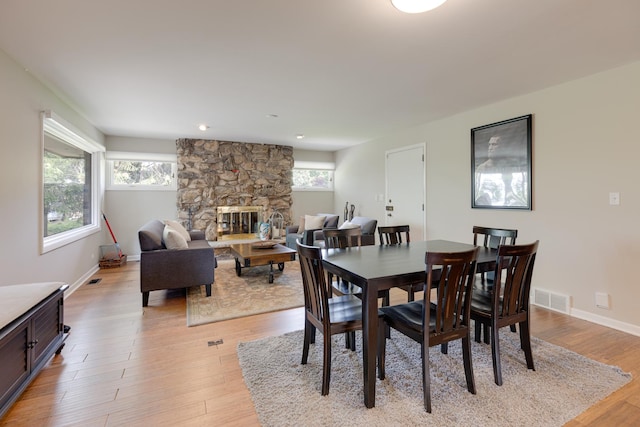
x=313 y=222
x=173 y=239
x=179 y=228
x=348 y=225
x=301 y=224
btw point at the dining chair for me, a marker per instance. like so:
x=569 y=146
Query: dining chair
x=393 y=235
x=489 y=237
x=443 y=314
x=507 y=303
x=332 y=316
x=341 y=239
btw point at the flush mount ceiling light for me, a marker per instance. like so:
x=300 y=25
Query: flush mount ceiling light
x=416 y=6
x=299 y=136
x=203 y=127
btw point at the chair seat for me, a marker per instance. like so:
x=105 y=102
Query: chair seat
x=346 y=308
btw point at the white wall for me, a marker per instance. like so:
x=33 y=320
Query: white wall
x=22 y=98
x=585 y=145
x=312 y=202
x=127 y=211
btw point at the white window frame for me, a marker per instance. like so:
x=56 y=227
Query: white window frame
x=145 y=157
x=58 y=127
x=306 y=165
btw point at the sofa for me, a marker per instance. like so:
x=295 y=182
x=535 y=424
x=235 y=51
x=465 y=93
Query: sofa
x=308 y=235
x=368 y=226
x=167 y=265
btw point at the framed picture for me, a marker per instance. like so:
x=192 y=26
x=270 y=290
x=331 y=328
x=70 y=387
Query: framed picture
x=501 y=165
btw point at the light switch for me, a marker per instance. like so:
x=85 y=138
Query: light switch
x=614 y=198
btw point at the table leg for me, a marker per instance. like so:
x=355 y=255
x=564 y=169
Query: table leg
x=369 y=342
x=238 y=268
x=270 y=271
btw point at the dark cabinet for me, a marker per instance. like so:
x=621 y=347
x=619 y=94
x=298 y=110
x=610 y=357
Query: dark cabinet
x=27 y=343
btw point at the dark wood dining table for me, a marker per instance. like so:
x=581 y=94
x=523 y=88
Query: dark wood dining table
x=375 y=268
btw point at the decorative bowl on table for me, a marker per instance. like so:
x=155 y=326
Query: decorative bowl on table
x=265 y=244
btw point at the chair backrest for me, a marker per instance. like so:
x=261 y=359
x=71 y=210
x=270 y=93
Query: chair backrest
x=452 y=275
x=493 y=237
x=514 y=268
x=342 y=238
x=392 y=235
x=313 y=280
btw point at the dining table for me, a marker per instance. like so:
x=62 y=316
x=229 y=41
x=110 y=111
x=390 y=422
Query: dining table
x=375 y=268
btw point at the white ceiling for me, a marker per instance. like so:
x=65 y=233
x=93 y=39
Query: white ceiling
x=342 y=72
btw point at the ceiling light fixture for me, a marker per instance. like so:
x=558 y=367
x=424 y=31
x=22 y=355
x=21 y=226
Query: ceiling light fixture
x=299 y=136
x=416 y=6
x=203 y=127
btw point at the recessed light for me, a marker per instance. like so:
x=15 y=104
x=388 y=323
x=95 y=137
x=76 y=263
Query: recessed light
x=203 y=127
x=299 y=136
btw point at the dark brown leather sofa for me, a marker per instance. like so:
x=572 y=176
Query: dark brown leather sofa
x=162 y=268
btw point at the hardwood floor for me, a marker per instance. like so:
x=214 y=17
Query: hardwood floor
x=125 y=365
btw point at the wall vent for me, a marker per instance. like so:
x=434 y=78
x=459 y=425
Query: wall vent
x=552 y=300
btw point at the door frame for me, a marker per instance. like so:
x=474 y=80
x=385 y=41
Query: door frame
x=423 y=146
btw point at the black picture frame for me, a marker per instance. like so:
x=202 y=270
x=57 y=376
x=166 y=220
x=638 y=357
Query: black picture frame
x=501 y=164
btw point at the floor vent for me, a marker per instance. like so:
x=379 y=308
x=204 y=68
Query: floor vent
x=551 y=300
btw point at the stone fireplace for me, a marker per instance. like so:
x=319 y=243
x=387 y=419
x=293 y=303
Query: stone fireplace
x=252 y=179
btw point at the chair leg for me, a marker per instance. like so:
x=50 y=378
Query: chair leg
x=426 y=378
x=410 y=294
x=525 y=343
x=326 y=364
x=382 y=347
x=444 y=348
x=308 y=331
x=486 y=333
x=513 y=327
x=477 y=327
x=495 y=352
x=468 y=364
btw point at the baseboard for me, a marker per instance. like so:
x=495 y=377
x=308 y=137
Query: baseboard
x=81 y=281
x=606 y=321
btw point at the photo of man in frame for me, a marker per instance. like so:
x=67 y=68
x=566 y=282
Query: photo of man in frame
x=501 y=162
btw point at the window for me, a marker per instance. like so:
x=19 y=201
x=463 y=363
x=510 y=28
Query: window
x=313 y=176
x=70 y=184
x=141 y=171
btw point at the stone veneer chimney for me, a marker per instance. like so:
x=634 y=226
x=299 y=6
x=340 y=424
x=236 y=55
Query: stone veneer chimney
x=221 y=173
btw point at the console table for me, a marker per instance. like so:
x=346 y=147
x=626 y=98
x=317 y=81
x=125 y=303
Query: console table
x=32 y=331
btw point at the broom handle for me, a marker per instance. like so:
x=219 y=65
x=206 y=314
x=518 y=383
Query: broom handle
x=112 y=235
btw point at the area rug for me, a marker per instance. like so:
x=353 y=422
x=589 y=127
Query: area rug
x=249 y=294
x=286 y=393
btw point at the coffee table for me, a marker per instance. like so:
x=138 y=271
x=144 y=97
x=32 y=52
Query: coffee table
x=261 y=253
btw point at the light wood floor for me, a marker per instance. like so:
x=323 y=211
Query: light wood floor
x=123 y=365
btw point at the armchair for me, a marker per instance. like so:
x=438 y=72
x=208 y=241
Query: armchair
x=309 y=236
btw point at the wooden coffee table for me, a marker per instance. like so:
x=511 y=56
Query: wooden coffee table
x=261 y=253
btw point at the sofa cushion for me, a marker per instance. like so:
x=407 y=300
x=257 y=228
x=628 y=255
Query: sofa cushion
x=179 y=228
x=313 y=222
x=150 y=236
x=368 y=225
x=173 y=239
x=348 y=225
x=331 y=220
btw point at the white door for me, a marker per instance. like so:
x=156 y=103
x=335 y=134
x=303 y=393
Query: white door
x=405 y=188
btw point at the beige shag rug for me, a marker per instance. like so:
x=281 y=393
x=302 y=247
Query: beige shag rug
x=286 y=393
x=251 y=293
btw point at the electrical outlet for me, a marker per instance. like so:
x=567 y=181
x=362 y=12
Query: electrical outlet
x=614 y=199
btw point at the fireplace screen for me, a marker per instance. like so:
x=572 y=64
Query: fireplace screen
x=236 y=221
